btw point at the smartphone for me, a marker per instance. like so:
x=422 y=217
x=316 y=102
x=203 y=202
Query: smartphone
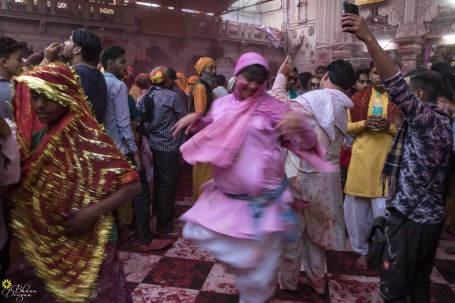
x=350 y=8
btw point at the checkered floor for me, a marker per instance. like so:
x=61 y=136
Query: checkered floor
x=184 y=274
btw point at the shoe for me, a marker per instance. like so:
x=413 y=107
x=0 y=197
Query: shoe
x=317 y=289
x=156 y=244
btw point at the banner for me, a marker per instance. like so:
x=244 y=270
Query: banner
x=361 y=2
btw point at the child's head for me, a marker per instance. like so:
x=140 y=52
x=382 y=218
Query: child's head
x=48 y=111
x=51 y=90
x=10 y=57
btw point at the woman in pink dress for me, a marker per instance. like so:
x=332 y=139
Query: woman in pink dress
x=244 y=211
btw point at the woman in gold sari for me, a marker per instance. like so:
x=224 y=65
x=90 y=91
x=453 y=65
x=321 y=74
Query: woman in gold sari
x=72 y=177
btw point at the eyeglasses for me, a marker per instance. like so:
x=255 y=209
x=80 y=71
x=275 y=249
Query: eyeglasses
x=313 y=84
x=290 y=78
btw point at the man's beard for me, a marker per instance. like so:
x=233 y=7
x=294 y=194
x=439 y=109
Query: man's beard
x=65 y=59
x=206 y=77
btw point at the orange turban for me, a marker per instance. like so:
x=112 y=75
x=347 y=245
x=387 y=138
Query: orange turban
x=181 y=81
x=191 y=82
x=202 y=63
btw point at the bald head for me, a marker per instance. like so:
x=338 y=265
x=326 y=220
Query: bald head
x=142 y=81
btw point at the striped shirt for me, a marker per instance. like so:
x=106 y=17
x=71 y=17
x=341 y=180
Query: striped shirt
x=426 y=152
x=168 y=109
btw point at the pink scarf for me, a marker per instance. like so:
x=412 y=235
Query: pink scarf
x=220 y=141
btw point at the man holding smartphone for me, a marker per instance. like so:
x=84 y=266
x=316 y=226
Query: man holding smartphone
x=420 y=154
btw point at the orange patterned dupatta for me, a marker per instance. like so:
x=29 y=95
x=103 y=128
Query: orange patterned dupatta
x=75 y=164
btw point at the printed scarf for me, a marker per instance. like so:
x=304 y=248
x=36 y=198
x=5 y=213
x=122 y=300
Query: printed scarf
x=393 y=159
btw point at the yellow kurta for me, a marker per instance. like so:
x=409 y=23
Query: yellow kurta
x=369 y=151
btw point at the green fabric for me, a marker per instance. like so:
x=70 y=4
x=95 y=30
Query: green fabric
x=134 y=112
x=292 y=94
x=114 y=234
x=37 y=138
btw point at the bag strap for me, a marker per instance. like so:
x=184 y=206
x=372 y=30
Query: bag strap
x=414 y=206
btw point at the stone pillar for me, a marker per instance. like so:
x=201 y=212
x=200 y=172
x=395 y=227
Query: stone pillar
x=3 y=4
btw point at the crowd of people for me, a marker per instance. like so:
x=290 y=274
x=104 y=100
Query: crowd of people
x=282 y=167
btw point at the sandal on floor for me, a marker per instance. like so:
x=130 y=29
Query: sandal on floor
x=317 y=289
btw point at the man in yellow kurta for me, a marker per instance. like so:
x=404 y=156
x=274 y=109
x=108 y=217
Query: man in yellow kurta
x=200 y=100
x=373 y=128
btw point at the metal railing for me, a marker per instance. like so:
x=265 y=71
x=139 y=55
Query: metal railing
x=125 y=16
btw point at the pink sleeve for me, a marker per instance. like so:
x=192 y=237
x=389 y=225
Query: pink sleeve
x=279 y=88
x=202 y=122
x=10 y=169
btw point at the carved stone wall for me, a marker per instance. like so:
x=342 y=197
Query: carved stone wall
x=410 y=25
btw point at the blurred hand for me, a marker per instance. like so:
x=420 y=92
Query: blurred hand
x=52 y=52
x=138 y=161
x=80 y=221
x=186 y=123
x=356 y=25
x=287 y=67
x=291 y=124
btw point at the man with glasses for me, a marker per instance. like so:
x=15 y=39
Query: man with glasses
x=292 y=83
x=314 y=83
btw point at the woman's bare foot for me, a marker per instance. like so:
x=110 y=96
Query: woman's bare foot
x=317 y=288
x=362 y=263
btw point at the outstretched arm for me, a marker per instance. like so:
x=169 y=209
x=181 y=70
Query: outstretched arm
x=356 y=25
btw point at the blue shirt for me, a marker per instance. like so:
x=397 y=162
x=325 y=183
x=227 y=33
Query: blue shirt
x=92 y=80
x=117 y=119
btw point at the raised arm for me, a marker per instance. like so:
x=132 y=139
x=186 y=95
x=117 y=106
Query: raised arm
x=355 y=24
x=279 y=86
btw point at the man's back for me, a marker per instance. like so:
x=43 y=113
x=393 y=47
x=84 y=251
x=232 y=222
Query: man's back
x=95 y=88
x=426 y=151
x=168 y=108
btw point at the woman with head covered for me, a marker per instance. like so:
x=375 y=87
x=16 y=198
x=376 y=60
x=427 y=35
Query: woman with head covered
x=244 y=211
x=73 y=177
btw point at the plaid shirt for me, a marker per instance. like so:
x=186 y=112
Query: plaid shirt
x=168 y=109
x=426 y=151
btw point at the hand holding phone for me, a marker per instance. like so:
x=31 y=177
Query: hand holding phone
x=356 y=25
x=349 y=8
